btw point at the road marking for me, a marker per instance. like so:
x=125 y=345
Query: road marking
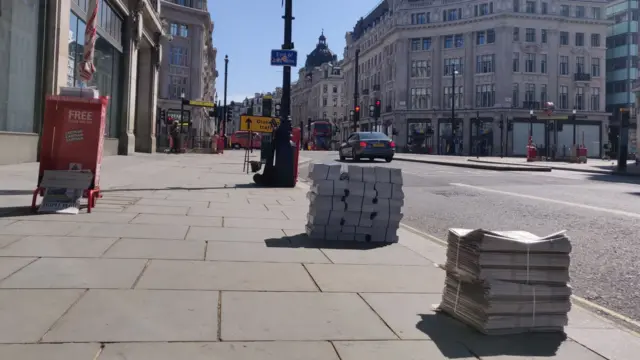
x=582 y=301
x=560 y=202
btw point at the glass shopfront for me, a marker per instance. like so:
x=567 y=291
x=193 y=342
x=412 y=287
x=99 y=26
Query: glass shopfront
x=108 y=59
x=520 y=137
x=447 y=143
x=20 y=65
x=481 y=137
x=419 y=138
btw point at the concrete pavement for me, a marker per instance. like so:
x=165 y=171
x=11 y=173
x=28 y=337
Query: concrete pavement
x=184 y=259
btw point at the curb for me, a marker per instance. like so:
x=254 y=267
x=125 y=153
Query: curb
x=591 y=171
x=496 y=167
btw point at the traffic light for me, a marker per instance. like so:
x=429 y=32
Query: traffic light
x=501 y=124
x=509 y=125
x=377 y=110
x=185 y=101
x=372 y=110
x=229 y=113
x=277 y=110
x=357 y=109
x=267 y=103
x=163 y=116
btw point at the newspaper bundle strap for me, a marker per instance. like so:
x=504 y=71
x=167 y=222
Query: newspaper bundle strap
x=353 y=203
x=507 y=282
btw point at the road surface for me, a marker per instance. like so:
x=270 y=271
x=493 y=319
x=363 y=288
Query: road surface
x=600 y=212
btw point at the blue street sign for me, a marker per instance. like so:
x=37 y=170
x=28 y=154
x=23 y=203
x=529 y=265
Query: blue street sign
x=284 y=58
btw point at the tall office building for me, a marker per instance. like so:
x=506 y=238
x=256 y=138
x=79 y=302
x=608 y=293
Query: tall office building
x=188 y=69
x=507 y=59
x=622 y=65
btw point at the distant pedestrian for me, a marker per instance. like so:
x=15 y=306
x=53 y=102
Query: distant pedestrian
x=214 y=143
x=174 y=132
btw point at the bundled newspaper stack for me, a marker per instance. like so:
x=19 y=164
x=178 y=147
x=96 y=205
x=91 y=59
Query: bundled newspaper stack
x=507 y=282
x=354 y=203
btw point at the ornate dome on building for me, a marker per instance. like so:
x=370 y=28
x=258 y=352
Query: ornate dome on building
x=320 y=55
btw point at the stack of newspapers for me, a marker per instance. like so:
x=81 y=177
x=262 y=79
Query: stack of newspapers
x=353 y=203
x=507 y=282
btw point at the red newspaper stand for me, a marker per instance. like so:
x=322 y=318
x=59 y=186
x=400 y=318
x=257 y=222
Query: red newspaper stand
x=295 y=138
x=73 y=139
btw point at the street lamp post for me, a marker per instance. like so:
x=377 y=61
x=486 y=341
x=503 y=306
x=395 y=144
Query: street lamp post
x=223 y=118
x=453 y=108
x=573 y=118
x=356 y=114
x=181 y=111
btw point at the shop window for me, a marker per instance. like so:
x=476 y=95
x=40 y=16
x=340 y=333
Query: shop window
x=19 y=61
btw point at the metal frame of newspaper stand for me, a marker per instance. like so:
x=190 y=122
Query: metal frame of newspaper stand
x=73 y=139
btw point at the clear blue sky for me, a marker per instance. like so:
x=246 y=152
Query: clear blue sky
x=248 y=30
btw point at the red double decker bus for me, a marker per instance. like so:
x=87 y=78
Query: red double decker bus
x=319 y=135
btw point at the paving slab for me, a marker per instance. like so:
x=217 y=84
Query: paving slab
x=178 y=203
x=209 y=275
x=31 y=313
x=163 y=210
x=207 y=221
x=10 y=265
x=199 y=196
x=273 y=350
x=263 y=201
x=9 y=239
x=5 y=222
x=529 y=346
x=584 y=319
x=65 y=273
x=156 y=249
x=404 y=313
x=49 y=351
x=238 y=213
x=257 y=252
x=261 y=223
x=401 y=350
x=377 y=278
x=296 y=213
x=256 y=316
x=233 y=234
x=136 y=231
x=83 y=217
x=394 y=254
x=429 y=249
x=614 y=344
x=58 y=246
x=52 y=228
x=138 y=315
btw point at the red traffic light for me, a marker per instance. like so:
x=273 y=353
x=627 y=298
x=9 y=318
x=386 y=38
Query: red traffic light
x=377 y=102
x=357 y=108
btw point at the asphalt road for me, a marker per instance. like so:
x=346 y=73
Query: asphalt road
x=600 y=212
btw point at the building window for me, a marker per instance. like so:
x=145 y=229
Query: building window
x=545 y=8
x=516 y=62
x=458 y=40
x=415 y=45
x=420 y=69
x=178 y=86
x=481 y=38
x=595 y=40
x=543 y=94
x=515 y=94
x=516 y=5
x=594 y=101
x=420 y=98
x=564 y=65
x=580 y=68
x=530 y=35
x=596 y=13
x=457 y=96
x=564 y=38
x=335 y=89
x=543 y=36
x=530 y=63
x=324 y=101
x=579 y=99
x=426 y=43
x=543 y=63
x=516 y=34
x=178 y=56
x=483 y=9
x=579 y=39
x=485 y=64
x=335 y=101
x=595 y=67
x=448 y=42
x=530 y=7
x=580 y=12
x=485 y=95
x=420 y=18
x=491 y=36
x=563 y=97
x=452 y=14
x=451 y=65
x=564 y=10
x=529 y=93
x=325 y=88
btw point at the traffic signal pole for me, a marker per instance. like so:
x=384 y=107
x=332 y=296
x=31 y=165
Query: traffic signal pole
x=224 y=116
x=356 y=107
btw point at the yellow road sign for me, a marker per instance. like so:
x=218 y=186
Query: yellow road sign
x=200 y=103
x=262 y=124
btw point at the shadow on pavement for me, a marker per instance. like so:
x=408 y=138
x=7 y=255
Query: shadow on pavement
x=236 y=186
x=16 y=192
x=303 y=241
x=13 y=211
x=629 y=179
x=445 y=331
